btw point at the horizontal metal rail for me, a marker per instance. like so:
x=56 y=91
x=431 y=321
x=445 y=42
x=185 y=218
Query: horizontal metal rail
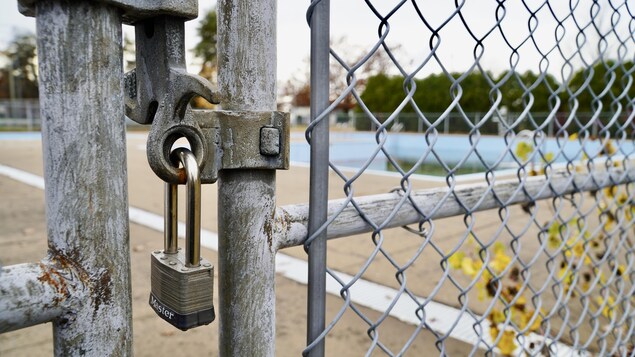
x=36 y=293
x=291 y=221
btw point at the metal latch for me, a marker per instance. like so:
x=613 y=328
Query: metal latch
x=158 y=92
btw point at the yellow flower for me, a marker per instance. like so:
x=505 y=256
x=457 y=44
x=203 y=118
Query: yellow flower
x=456 y=260
x=507 y=343
x=573 y=136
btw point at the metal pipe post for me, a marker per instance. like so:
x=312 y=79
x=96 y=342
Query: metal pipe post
x=319 y=181
x=246 y=198
x=83 y=136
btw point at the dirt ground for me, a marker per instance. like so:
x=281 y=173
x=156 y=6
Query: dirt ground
x=23 y=239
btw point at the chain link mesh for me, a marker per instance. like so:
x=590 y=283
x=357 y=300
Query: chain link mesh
x=532 y=92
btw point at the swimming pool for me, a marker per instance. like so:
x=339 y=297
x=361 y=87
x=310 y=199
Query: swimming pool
x=353 y=149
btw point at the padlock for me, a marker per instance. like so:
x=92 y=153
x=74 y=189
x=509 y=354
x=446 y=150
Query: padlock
x=182 y=282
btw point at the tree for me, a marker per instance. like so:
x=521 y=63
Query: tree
x=205 y=50
x=299 y=89
x=589 y=86
x=19 y=74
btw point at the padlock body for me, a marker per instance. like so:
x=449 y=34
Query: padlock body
x=181 y=295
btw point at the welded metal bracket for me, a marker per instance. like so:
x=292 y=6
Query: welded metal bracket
x=243 y=140
x=136 y=10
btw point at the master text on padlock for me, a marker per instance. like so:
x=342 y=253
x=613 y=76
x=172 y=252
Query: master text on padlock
x=162 y=310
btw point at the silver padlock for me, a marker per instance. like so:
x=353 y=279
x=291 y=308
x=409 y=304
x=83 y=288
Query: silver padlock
x=183 y=282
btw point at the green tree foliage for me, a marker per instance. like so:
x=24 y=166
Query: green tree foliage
x=18 y=74
x=589 y=87
x=436 y=92
x=205 y=50
x=520 y=90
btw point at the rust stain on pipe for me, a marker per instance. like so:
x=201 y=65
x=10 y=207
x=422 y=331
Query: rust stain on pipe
x=52 y=277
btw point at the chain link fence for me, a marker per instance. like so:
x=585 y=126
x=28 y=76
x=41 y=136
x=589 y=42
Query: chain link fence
x=532 y=253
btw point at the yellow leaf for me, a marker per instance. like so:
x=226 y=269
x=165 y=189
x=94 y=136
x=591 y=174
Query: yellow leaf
x=610 y=191
x=607 y=309
x=456 y=260
x=523 y=150
x=535 y=327
x=609 y=148
x=578 y=249
x=500 y=262
x=507 y=343
x=493 y=331
x=553 y=242
x=468 y=266
x=496 y=317
x=499 y=248
x=573 y=136
x=548 y=157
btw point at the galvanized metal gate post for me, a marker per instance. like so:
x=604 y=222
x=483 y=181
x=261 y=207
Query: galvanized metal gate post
x=319 y=185
x=83 y=286
x=246 y=199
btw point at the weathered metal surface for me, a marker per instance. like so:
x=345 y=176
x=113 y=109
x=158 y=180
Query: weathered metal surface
x=135 y=10
x=246 y=199
x=83 y=137
x=291 y=221
x=315 y=245
x=234 y=139
x=36 y=293
x=158 y=92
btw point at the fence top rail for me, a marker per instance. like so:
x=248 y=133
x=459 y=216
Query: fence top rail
x=291 y=221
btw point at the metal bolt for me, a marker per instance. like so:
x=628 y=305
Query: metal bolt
x=172 y=263
x=269 y=141
x=207 y=265
x=163 y=257
x=184 y=269
x=157 y=252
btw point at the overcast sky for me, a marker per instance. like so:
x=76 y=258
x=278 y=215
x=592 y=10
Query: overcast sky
x=293 y=45
x=354 y=28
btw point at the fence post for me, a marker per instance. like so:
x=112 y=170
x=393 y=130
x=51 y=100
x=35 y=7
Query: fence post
x=246 y=198
x=318 y=190
x=83 y=136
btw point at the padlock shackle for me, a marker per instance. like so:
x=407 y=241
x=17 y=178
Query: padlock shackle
x=170 y=219
x=192 y=205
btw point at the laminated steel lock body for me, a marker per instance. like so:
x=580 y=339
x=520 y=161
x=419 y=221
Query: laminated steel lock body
x=182 y=283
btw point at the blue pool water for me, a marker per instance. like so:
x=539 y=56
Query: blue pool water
x=354 y=149
x=21 y=135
